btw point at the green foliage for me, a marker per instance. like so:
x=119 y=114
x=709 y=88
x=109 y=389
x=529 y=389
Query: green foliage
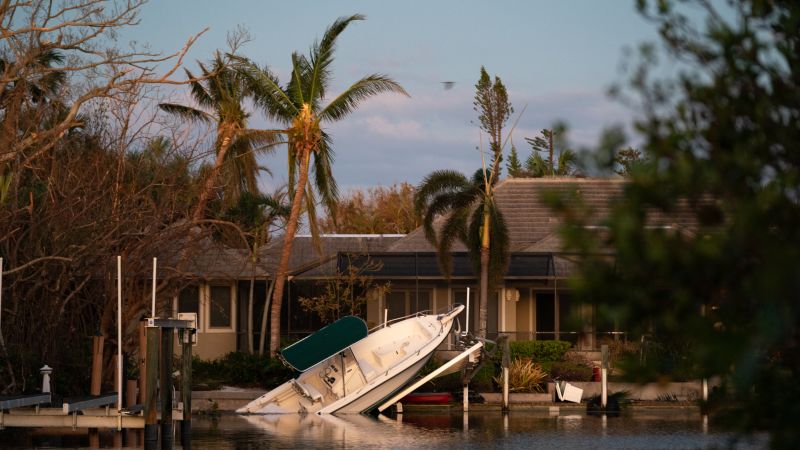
x=523 y=376
x=451 y=194
x=721 y=144
x=240 y=369
x=493 y=108
x=513 y=165
x=561 y=160
x=570 y=371
x=539 y=351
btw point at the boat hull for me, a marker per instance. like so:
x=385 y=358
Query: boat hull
x=358 y=378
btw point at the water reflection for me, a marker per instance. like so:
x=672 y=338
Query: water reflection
x=484 y=430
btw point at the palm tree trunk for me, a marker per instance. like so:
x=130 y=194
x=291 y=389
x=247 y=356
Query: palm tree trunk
x=250 y=346
x=208 y=186
x=484 y=295
x=262 y=337
x=288 y=240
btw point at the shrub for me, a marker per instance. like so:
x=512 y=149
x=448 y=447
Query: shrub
x=242 y=369
x=539 y=351
x=523 y=376
x=570 y=371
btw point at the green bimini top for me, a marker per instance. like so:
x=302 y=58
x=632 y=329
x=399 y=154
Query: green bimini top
x=326 y=342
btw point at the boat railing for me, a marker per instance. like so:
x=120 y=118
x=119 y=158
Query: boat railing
x=425 y=312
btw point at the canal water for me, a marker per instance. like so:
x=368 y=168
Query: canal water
x=478 y=430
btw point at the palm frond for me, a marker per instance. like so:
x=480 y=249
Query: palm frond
x=296 y=86
x=324 y=180
x=262 y=141
x=452 y=229
x=186 y=112
x=361 y=90
x=321 y=55
x=267 y=92
x=437 y=183
x=199 y=92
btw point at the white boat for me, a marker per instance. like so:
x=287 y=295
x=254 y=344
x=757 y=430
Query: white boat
x=357 y=373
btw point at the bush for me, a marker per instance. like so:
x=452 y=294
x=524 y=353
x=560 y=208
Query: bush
x=241 y=369
x=570 y=371
x=523 y=376
x=539 y=351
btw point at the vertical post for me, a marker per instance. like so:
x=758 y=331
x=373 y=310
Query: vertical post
x=604 y=377
x=1 y=296
x=165 y=385
x=119 y=340
x=704 y=389
x=96 y=380
x=186 y=387
x=142 y=361
x=466 y=314
x=506 y=362
x=466 y=398
x=153 y=307
x=385 y=317
x=151 y=385
x=130 y=400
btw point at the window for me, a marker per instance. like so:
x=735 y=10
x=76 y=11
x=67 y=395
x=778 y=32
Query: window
x=401 y=303
x=189 y=301
x=220 y=314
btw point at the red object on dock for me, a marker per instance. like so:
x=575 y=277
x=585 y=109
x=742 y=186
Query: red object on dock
x=427 y=398
x=596 y=374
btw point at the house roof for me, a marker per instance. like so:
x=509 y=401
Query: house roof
x=531 y=223
x=308 y=261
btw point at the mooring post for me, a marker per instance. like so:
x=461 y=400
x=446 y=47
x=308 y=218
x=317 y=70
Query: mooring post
x=506 y=363
x=604 y=377
x=186 y=387
x=96 y=379
x=130 y=400
x=466 y=398
x=151 y=386
x=167 y=336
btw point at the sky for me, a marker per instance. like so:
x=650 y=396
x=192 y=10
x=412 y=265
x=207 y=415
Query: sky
x=556 y=58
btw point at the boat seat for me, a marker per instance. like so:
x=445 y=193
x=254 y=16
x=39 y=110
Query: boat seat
x=385 y=355
x=309 y=391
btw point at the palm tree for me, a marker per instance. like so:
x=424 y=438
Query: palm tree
x=551 y=141
x=298 y=106
x=220 y=93
x=469 y=214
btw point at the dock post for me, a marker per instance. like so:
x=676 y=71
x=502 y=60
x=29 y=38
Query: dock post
x=604 y=377
x=151 y=385
x=167 y=336
x=466 y=398
x=186 y=387
x=506 y=363
x=96 y=380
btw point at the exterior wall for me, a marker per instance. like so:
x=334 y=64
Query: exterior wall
x=212 y=343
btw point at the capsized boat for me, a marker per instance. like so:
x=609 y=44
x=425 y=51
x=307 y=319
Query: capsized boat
x=353 y=372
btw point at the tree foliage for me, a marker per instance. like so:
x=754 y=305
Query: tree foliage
x=299 y=106
x=721 y=144
x=346 y=293
x=452 y=208
x=561 y=160
x=378 y=210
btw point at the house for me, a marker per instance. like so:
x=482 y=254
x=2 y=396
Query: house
x=532 y=302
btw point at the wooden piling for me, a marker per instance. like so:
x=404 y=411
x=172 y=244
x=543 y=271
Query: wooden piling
x=186 y=387
x=167 y=337
x=96 y=382
x=131 y=435
x=151 y=384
